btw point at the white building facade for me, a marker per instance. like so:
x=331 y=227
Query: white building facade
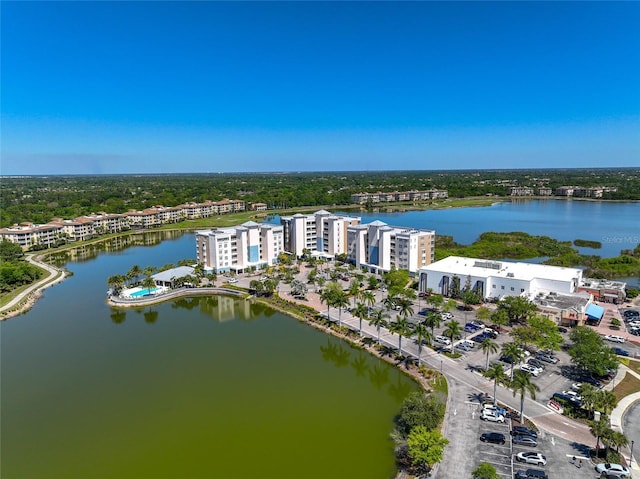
x=381 y=248
x=240 y=247
x=497 y=279
x=321 y=233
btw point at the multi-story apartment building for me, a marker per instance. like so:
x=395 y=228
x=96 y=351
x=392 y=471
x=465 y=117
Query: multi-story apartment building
x=29 y=235
x=240 y=247
x=107 y=223
x=79 y=229
x=520 y=191
x=363 y=198
x=545 y=191
x=321 y=233
x=380 y=247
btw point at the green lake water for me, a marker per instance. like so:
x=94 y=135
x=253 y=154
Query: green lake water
x=210 y=387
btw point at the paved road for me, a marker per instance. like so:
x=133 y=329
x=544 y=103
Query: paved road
x=631 y=427
x=42 y=283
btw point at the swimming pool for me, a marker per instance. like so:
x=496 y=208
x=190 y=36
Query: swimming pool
x=143 y=292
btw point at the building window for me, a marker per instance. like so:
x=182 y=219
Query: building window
x=494 y=286
x=501 y=287
x=512 y=288
x=522 y=290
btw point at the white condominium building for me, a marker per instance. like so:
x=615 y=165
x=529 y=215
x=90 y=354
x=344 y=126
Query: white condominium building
x=497 y=279
x=239 y=247
x=322 y=233
x=380 y=247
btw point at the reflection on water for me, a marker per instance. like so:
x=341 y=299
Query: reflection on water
x=87 y=252
x=219 y=308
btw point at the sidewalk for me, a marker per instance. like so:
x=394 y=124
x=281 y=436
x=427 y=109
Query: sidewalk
x=618 y=413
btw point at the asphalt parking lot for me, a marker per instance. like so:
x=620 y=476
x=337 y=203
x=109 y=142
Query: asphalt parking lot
x=466 y=431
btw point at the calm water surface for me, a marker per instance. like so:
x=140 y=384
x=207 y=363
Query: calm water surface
x=198 y=388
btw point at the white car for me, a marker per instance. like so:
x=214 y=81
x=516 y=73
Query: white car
x=468 y=344
x=442 y=340
x=232 y=280
x=446 y=315
x=613 y=470
x=530 y=369
x=532 y=458
x=573 y=395
x=492 y=416
x=614 y=339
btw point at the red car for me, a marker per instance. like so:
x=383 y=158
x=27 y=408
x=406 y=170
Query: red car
x=498 y=329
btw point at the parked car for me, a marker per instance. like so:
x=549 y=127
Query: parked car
x=614 y=339
x=491 y=333
x=506 y=359
x=621 y=352
x=472 y=326
x=463 y=347
x=531 y=474
x=491 y=416
x=479 y=338
x=493 y=408
x=547 y=358
x=525 y=441
x=446 y=315
x=535 y=363
x=631 y=313
x=442 y=340
x=498 y=328
x=573 y=395
x=523 y=431
x=527 y=368
x=532 y=458
x=613 y=469
x=493 y=437
x=562 y=329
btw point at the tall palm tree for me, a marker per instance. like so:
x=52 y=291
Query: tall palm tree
x=354 y=291
x=389 y=302
x=360 y=312
x=497 y=374
x=341 y=302
x=432 y=320
x=116 y=282
x=422 y=333
x=522 y=383
x=488 y=347
x=327 y=296
x=379 y=320
x=513 y=352
x=369 y=298
x=599 y=429
x=452 y=330
x=401 y=328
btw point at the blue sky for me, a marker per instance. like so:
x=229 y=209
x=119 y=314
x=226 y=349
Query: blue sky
x=161 y=87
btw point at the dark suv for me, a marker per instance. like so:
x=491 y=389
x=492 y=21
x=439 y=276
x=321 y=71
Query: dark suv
x=494 y=437
x=531 y=474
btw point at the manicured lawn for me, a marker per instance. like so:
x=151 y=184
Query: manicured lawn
x=629 y=385
x=634 y=364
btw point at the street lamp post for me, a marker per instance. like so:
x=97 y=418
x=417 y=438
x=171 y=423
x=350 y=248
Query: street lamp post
x=441 y=371
x=631 y=458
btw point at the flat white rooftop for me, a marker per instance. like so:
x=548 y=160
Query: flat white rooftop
x=461 y=266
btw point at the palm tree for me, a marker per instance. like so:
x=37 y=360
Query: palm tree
x=452 y=330
x=148 y=283
x=360 y=312
x=599 y=429
x=354 y=291
x=522 y=383
x=341 y=301
x=605 y=401
x=488 y=347
x=134 y=272
x=401 y=328
x=406 y=307
x=116 y=282
x=513 y=352
x=369 y=298
x=379 y=320
x=432 y=320
x=421 y=332
x=327 y=296
x=589 y=395
x=497 y=374
x=389 y=302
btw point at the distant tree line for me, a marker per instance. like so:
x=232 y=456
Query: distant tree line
x=39 y=199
